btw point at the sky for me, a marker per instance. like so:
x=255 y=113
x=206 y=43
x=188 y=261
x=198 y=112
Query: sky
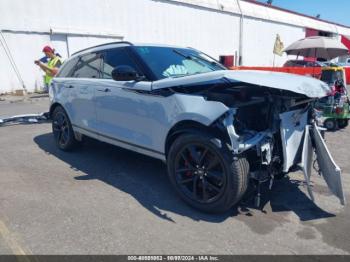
x=337 y=11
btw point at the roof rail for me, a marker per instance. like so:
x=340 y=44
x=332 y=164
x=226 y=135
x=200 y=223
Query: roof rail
x=111 y=43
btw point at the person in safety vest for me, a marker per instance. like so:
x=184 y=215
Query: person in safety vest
x=52 y=66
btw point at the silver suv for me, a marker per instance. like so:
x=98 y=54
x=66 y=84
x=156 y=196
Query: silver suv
x=216 y=129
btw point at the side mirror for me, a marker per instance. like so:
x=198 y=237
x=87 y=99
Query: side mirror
x=125 y=73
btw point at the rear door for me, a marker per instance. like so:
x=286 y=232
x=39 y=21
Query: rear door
x=83 y=84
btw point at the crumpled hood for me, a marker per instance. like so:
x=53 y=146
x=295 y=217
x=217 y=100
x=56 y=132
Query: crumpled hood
x=308 y=86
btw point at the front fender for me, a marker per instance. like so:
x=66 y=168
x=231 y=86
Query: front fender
x=198 y=109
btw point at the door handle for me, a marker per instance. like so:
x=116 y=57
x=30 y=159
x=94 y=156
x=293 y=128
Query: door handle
x=70 y=86
x=104 y=90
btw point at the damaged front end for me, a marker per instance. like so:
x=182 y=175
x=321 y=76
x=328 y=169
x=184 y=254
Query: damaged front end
x=277 y=132
x=270 y=121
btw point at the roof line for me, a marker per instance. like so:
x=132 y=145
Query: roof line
x=293 y=12
x=110 y=43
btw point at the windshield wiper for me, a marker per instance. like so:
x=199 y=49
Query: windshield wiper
x=175 y=75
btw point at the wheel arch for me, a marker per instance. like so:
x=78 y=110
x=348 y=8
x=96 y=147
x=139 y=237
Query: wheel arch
x=57 y=104
x=189 y=126
x=53 y=107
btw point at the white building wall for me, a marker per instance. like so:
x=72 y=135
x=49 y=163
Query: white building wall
x=259 y=39
x=135 y=20
x=82 y=23
x=24 y=50
x=212 y=26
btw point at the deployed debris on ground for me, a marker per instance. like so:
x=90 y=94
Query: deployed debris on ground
x=26 y=118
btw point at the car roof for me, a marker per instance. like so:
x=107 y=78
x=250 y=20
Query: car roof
x=119 y=44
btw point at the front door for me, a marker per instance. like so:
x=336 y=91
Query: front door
x=124 y=108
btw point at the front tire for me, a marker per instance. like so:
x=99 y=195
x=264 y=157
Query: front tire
x=205 y=175
x=62 y=130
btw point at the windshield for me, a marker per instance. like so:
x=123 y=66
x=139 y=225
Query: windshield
x=176 y=62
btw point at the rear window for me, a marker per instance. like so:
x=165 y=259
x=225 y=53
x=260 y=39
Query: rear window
x=88 y=66
x=67 y=68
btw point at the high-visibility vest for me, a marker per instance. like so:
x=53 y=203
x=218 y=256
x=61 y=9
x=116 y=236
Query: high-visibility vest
x=51 y=64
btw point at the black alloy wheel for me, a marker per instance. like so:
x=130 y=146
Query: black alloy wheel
x=62 y=130
x=205 y=173
x=200 y=173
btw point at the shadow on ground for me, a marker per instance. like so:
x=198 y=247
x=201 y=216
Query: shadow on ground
x=146 y=180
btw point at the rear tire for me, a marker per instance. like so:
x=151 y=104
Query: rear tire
x=62 y=130
x=342 y=123
x=330 y=124
x=205 y=175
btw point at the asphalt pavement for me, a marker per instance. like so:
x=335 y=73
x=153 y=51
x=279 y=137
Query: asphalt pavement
x=101 y=199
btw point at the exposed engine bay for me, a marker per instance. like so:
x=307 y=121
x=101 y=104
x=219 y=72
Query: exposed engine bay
x=263 y=119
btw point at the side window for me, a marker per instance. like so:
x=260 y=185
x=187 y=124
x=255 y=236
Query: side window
x=88 y=66
x=67 y=68
x=116 y=57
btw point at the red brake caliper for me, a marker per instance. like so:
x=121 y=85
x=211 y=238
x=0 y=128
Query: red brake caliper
x=188 y=173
